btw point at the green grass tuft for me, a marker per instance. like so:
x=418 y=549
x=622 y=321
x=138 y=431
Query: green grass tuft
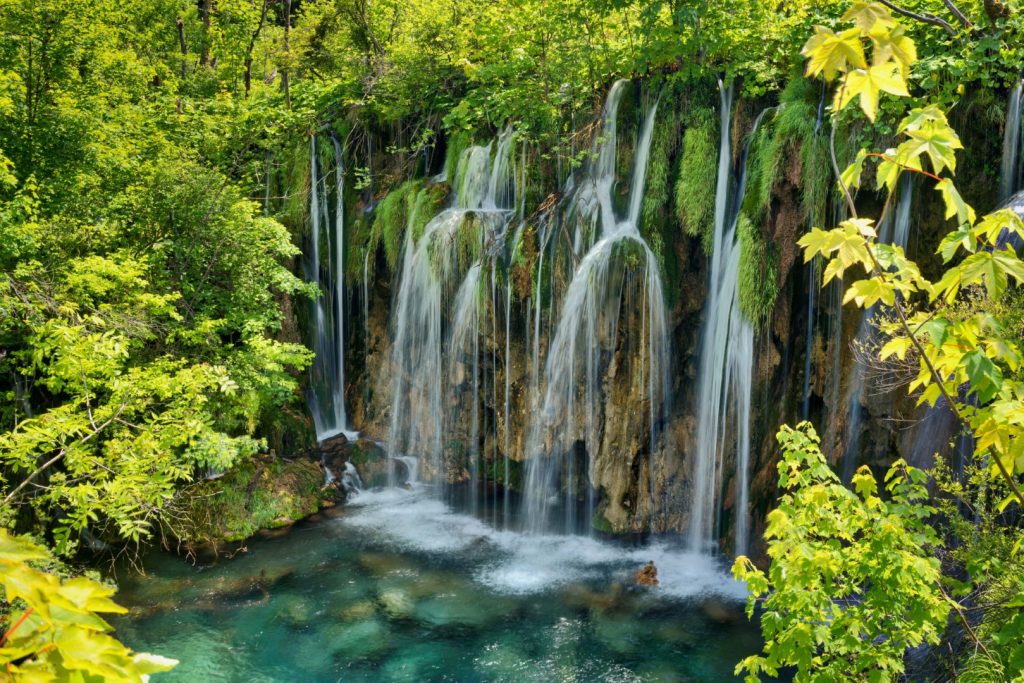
x=695 y=185
x=759 y=273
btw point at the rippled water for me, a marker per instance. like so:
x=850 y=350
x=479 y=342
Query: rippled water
x=399 y=587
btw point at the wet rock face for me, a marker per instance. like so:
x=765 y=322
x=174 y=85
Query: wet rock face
x=367 y=456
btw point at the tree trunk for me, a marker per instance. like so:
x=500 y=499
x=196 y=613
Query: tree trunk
x=184 y=46
x=287 y=51
x=205 y=9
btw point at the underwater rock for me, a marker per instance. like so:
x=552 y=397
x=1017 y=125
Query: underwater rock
x=647 y=576
x=420 y=662
x=722 y=612
x=360 y=610
x=367 y=639
x=382 y=564
x=296 y=612
x=397 y=604
x=580 y=597
x=454 y=610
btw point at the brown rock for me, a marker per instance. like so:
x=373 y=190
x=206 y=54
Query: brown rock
x=647 y=576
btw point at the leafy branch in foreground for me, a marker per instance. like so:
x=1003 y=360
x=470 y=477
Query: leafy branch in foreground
x=58 y=635
x=853 y=581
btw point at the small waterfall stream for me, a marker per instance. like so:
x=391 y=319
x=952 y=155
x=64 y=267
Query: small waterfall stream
x=438 y=287
x=896 y=231
x=323 y=264
x=726 y=363
x=588 y=324
x=1011 y=174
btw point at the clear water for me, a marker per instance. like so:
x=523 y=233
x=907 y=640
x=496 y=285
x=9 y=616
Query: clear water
x=399 y=587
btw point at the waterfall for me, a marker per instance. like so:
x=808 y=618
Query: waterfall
x=326 y=394
x=894 y=230
x=1011 y=174
x=428 y=363
x=587 y=329
x=813 y=279
x=726 y=364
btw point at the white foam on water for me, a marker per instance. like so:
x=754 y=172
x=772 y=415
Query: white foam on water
x=518 y=563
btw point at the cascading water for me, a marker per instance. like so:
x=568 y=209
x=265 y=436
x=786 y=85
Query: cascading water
x=326 y=394
x=587 y=329
x=726 y=363
x=1011 y=172
x=433 y=268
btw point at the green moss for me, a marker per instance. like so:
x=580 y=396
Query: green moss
x=468 y=242
x=264 y=493
x=630 y=254
x=759 y=273
x=390 y=220
x=426 y=204
x=370 y=461
x=695 y=183
x=656 y=190
x=495 y=472
x=816 y=180
x=296 y=182
x=787 y=134
x=458 y=143
x=600 y=523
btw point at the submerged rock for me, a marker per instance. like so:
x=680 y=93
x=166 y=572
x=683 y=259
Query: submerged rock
x=421 y=662
x=464 y=609
x=368 y=639
x=397 y=604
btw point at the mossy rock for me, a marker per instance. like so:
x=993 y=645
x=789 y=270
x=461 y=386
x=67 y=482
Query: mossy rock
x=262 y=493
x=370 y=461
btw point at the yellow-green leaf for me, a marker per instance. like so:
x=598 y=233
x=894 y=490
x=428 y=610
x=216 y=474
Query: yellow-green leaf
x=867 y=84
x=830 y=53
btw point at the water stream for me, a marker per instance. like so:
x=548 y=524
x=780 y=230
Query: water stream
x=437 y=314
x=586 y=334
x=726 y=363
x=323 y=264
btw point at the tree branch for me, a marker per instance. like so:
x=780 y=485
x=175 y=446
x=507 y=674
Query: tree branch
x=924 y=17
x=960 y=16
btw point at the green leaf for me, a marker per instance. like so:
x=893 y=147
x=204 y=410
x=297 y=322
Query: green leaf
x=921 y=116
x=893 y=44
x=866 y=293
x=869 y=16
x=14 y=549
x=986 y=379
x=951 y=243
x=852 y=175
x=937 y=331
x=936 y=140
x=955 y=205
x=990 y=270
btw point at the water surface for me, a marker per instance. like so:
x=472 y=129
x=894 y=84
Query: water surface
x=399 y=587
